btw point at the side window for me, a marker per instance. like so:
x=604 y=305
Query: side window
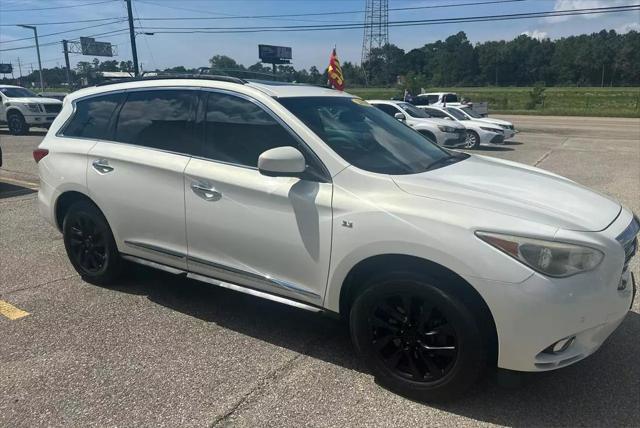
x=451 y=98
x=390 y=110
x=160 y=119
x=238 y=131
x=420 y=101
x=432 y=99
x=435 y=113
x=91 y=118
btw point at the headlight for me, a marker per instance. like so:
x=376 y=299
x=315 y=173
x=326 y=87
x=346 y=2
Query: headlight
x=34 y=108
x=557 y=259
x=446 y=128
x=494 y=130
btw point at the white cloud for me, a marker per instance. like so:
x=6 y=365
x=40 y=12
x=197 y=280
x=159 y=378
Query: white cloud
x=536 y=34
x=631 y=26
x=583 y=4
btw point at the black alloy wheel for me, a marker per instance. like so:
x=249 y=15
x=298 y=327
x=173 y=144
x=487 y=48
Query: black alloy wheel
x=413 y=338
x=419 y=336
x=90 y=244
x=17 y=124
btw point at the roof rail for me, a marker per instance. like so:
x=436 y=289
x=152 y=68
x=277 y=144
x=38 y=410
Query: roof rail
x=176 y=76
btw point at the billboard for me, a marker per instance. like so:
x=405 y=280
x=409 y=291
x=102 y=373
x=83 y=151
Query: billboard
x=89 y=46
x=6 y=68
x=274 y=54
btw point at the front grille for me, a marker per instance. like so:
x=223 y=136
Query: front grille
x=629 y=240
x=52 y=108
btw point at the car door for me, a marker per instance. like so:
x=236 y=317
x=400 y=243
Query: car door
x=137 y=178
x=267 y=233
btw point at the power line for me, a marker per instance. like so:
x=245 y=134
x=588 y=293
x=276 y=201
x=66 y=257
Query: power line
x=55 y=43
x=405 y=23
x=351 y=12
x=64 y=32
x=57 y=7
x=64 y=22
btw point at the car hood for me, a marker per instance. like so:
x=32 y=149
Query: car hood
x=479 y=123
x=438 y=121
x=34 y=100
x=517 y=190
x=496 y=121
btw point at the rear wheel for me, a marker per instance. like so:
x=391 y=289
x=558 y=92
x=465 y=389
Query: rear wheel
x=90 y=244
x=418 y=340
x=16 y=123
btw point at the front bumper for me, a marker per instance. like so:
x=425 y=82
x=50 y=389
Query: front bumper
x=533 y=315
x=40 y=119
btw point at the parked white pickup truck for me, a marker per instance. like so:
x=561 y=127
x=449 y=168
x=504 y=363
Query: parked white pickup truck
x=448 y=99
x=21 y=109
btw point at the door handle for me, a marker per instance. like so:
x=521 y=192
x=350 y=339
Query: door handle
x=208 y=193
x=102 y=166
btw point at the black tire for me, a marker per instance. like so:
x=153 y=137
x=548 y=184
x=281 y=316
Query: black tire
x=413 y=357
x=430 y=136
x=90 y=245
x=16 y=123
x=472 y=141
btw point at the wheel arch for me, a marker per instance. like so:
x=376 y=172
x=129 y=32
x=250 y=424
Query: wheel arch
x=356 y=279
x=64 y=202
x=13 y=110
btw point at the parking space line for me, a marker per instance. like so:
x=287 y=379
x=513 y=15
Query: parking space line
x=11 y=312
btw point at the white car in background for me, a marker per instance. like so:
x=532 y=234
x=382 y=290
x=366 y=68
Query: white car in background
x=437 y=99
x=21 y=109
x=441 y=131
x=478 y=133
x=509 y=129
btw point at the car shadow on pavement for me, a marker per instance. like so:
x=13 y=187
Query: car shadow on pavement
x=496 y=149
x=512 y=143
x=603 y=389
x=9 y=190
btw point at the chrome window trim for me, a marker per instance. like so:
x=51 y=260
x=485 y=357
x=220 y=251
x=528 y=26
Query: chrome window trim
x=156 y=249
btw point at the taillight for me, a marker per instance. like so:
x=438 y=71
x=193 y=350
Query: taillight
x=38 y=154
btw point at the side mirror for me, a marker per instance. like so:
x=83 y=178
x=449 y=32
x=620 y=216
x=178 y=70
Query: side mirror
x=400 y=116
x=281 y=162
x=447 y=118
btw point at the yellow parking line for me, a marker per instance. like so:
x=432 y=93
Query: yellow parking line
x=11 y=312
x=28 y=184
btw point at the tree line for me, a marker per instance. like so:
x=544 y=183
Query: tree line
x=605 y=58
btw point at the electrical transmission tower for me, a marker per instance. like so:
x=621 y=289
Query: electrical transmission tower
x=376 y=26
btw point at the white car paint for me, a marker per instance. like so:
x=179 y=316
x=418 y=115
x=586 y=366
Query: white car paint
x=488 y=133
x=508 y=128
x=33 y=109
x=304 y=237
x=445 y=132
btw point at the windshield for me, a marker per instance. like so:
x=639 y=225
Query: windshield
x=470 y=112
x=367 y=137
x=17 y=93
x=456 y=113
x=413 y=111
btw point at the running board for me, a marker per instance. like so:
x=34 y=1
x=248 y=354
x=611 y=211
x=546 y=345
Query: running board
x=228 y=285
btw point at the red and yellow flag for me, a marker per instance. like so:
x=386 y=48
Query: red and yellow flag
x=335 y=72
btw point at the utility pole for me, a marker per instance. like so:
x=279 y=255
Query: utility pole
x=19 y=71
x=65 y=49
x=35 y=33
x=132 y=36
x=602 y=82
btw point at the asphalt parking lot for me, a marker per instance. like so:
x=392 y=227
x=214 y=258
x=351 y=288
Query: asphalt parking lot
x=162 y=351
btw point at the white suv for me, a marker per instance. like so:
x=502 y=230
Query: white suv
x=443 y=263
x=20 y=109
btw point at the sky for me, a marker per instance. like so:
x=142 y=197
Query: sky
x=309 y=48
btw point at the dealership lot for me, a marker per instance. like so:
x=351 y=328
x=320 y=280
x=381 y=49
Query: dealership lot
x=159 y=350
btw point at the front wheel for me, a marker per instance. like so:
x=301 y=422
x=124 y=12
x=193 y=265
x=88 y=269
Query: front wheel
x=16 y=123
x=418 y=340
x=90 y=244
x=472 y=141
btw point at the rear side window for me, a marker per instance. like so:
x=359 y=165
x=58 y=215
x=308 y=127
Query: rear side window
x=432 y=99
x=238 y=131
x=451 y=98
x=159 y=119
x=92 y=115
